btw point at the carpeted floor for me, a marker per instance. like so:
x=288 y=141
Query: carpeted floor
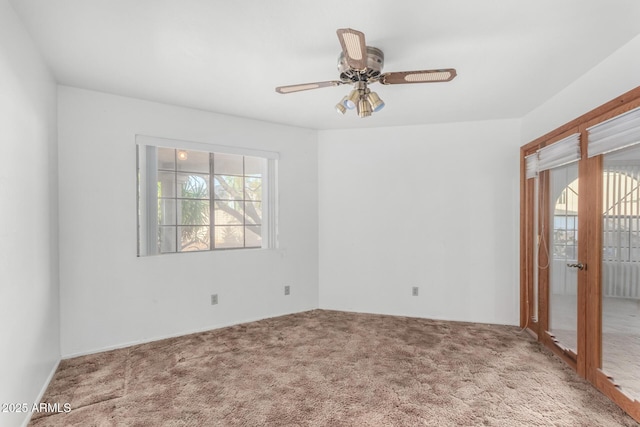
x=327 y=368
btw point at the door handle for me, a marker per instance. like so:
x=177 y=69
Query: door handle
x=579 y=266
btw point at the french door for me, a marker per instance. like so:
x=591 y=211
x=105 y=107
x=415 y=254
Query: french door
x=587 y=265
x=560 y=258
x=563 y=263
x=617 y=364
x=580 y=247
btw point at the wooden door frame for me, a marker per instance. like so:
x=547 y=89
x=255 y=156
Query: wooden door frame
x=589 y=358
x=545 y=222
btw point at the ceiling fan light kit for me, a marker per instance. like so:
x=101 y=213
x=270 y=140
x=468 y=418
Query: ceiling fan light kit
x=361 y=65
x=376 y=103
x=364 y=108
x=353 y=97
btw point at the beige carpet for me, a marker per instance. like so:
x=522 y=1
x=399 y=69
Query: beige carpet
x=327 y=368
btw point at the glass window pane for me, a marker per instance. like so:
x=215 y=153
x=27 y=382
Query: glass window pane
x=253 y=212
x=253 y=236
x=563 y=281
x=183 y=211
x=253 y=188
x=193 y=161
x=607 y=237
x=229 y=236
x=193 y=212
x=227 y=164
x=621 y=270
x=166 y=239
x=166 y=211
x=228 y=187
x=194 y=238
x=166 y=184
x=253 y=166
x=195 y=186
x=166 y=158
x=228 y=212
x=558 y=252
x=559 y=222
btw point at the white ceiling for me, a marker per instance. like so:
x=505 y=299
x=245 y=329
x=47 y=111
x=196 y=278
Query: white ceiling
x=228 y=56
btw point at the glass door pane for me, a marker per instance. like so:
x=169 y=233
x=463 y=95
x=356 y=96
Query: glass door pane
x=621 y=270
x=563 y=239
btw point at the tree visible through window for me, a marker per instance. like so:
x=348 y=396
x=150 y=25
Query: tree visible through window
x=197 y=200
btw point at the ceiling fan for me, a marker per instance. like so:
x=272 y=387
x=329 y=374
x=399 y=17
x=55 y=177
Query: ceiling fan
x=361 y=65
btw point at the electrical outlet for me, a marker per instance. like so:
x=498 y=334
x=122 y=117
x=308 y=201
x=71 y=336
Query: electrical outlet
x=287 y=290
x=414 y=291
x=214 y=299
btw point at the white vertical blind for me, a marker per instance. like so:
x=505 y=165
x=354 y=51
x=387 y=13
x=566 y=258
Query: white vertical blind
x=531 y=165
x=614 y=134
x=563 y=152
x=621 y=229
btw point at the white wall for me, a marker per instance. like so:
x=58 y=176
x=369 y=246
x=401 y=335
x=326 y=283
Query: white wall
x=614 y=76
x=109 y=296
x=432 y=206
x=29 y=292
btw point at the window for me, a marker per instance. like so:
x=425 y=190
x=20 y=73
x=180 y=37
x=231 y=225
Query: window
x=621 y=203
x=565 y=221
x=199 y=200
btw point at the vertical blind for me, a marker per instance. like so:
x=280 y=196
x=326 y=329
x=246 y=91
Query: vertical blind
x=561 y=153
x=621 y=216
x=621 y=229
x=614 y=134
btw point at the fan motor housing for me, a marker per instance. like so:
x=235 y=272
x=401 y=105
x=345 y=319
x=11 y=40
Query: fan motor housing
x=375 y=62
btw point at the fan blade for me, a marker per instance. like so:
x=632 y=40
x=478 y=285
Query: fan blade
x=354 y=48
x=306 y=86
x=424 y=76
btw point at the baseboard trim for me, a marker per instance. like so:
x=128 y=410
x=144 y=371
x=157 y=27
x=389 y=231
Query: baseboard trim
x=178 y=334
x=42 y=391
x=422 y=316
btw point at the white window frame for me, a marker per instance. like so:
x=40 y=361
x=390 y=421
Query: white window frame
x=147 y=220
